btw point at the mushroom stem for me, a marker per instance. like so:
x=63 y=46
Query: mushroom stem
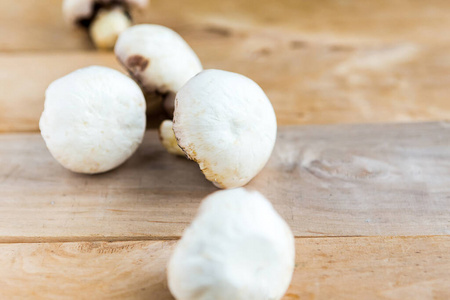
x=168 y=138
x=169 y=103
x=107 y=25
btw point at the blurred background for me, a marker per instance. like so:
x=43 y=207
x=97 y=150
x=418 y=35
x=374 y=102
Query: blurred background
x=341 y=61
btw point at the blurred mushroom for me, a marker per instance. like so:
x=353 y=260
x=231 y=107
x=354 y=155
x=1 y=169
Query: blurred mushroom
x=168 y=139
x=93 y=120
x=225 y=122
x=159 y=60
x=237 y=248
x=105 y=19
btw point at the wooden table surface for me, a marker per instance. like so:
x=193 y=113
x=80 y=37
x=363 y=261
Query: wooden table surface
x=361 y=169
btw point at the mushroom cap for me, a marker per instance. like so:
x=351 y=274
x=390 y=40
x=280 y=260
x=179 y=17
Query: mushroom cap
x=226 y=123
x=74 y=10
x=157 y=57
x=93 y=119
x=237 y=248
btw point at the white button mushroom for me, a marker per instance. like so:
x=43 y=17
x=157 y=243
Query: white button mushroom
x=105 y=19
x=237 y=248
x=159 y=59
x=224 y=122
x=93 y=120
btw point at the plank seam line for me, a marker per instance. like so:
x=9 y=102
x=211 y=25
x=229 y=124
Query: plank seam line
x=175 y=238
x=369 y=236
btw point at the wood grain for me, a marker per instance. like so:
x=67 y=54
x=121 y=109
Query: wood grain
x=371 y=85
x=372 y=268
x=346 y=180
x=41 y=26
x=88 y=270
x=318 y=61
x=326 y=268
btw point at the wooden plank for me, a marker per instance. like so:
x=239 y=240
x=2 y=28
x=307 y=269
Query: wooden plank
x=30 y=25
x=41 y=26
x=334 y=180
x=372 y=268
x=87 y=270
x=311 y=85
x=326 y=268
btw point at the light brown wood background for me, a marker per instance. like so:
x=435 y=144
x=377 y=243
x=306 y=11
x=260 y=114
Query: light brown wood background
x=369 y=204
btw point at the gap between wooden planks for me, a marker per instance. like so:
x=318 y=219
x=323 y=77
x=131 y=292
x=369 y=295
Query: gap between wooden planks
x=333 y=180
x=326 y=268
